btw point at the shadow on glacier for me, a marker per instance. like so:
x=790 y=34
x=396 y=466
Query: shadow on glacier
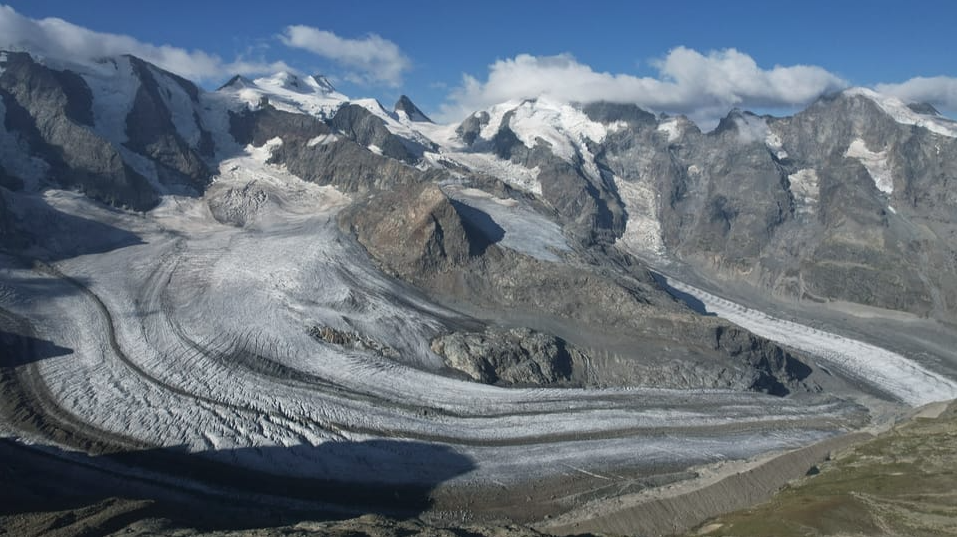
x=22 y=349
x=236 y=488
x=689 y=300
x=54 y=235
x=483 y=229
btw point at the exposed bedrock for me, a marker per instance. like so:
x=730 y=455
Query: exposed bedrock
x=838 y=202
x=593 y=326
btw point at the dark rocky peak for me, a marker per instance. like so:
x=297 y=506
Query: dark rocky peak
x=237 y=82
x=471 y=126
x=258 y=126
x=321 y=83
x=924 y=108
x=141 y=67
x=747 y=126
x=366 y=129
x=607 y=112
x=33 y=81
x=411 y=111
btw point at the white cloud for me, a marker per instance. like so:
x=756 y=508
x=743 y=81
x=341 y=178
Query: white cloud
x=940 y=91
x=60 y=39
x=371 y=59
x=704 y=86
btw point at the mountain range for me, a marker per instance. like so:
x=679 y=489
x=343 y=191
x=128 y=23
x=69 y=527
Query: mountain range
x=540 y=275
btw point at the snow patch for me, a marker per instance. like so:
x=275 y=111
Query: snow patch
x=643 y=228
x=876 y=164
x=374 y=148
x=805 y=187
x=495 y=116
x=264 y=152
x=670 y=127
x=322 y=139
x=514 y=175
x=114 y=88
x=903 y=114
x=752 y=128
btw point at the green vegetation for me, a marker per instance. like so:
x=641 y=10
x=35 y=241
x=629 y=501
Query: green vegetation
x=904 y=482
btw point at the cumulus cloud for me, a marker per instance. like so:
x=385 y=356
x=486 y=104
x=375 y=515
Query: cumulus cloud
x=60 y=39
x=371 y=60
x=940 y=91
x=704 y=86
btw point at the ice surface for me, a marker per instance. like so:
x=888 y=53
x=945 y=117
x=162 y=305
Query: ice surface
x=525 y=230
x=515 y=175
x=876 y=164
x=213 y=352
x=890 y=372
x=286 y=92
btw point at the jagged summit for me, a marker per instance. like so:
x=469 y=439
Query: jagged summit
x=906 y=114
x=411 y=111
x=321 y=82
x=237 y=82
x=926 y=109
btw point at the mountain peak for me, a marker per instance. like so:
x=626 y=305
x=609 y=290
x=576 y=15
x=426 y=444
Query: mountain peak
x=237 y=82
x=905 y=114
x=320 y=82
x=411 y=111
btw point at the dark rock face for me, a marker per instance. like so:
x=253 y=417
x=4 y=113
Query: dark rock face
x=518 y=356
x=337 y=160
x=259 y=126
x=416 y=233
x=471 y=127
x=9 y=234
x=364 y=128
x=590 y=208
x=151 y=132
x=405 y=104
x=8 y=181
x=804 y=220
x=606 y=112
x=44 y=110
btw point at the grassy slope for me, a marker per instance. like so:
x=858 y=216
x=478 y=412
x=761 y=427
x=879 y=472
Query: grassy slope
x=904 y=482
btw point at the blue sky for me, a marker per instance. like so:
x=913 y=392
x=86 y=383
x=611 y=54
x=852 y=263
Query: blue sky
x=505 y=47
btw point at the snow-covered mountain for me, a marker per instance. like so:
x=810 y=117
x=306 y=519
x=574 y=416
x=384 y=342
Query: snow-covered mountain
x=276 y=265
